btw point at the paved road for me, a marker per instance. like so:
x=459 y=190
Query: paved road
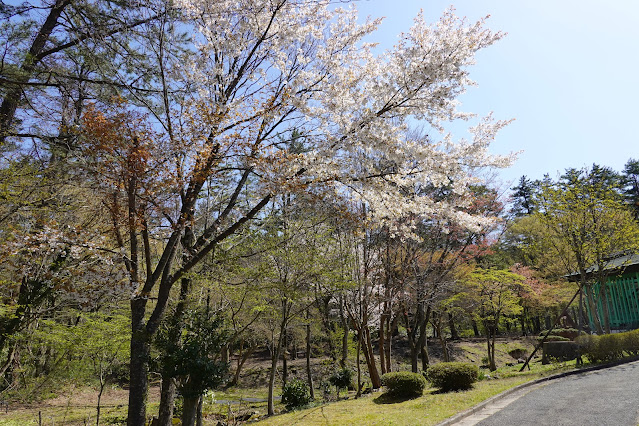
x=599 y=398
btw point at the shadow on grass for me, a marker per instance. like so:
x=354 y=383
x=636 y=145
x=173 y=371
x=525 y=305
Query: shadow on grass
x=442 y=391
x=390 y=398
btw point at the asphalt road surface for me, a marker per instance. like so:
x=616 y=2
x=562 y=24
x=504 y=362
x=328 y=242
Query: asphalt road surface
x=604 y=397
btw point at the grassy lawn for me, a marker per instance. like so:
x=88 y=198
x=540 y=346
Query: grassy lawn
x=432 y=408
x=76 y=406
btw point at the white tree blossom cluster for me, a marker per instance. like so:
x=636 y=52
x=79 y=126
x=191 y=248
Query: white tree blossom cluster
x=265 y=67
x=67 y=261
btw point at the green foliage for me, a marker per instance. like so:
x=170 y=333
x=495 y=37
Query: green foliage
x=570 y=333
x=341 y=378
x=404 y=383
x=553 y=338
x=295 y=394
x=192 y=358
x=449 y=376
x=605 y=348
x=517 y=351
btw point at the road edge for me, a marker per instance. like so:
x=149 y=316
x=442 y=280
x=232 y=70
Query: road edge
x=460 y=416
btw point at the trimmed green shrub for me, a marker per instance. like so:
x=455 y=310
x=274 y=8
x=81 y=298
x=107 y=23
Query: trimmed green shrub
x=517 y=351
x=631 y=342
x=553 y=338
x=404 y=383
x=606 y=348
x=569 y=333
x=449 y=376
x=295 y=394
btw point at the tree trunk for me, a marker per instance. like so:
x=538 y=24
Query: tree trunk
x=275 y=356
x=139 y=364
x=382 y=341
x=425 y=358
x=370 y=360
x=359 y=367
x=189 y=410
x=167 y=402
x=243 y=356
x=490 y=342
x=389 y=341
x=475 y=329
x=138 y=377
x=454 y=335
x=345 y=326
x=309 y=374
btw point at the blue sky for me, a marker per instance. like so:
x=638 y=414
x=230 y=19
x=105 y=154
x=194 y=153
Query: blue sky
x=567 y=72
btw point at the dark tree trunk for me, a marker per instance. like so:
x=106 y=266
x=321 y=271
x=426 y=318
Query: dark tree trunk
x=138 y=376
x=167 y=402
x=345 y=326
x=475 y=328
x=370 y=360
x=309 y=374
x=189 y=410
x=454 y=335
x=382 y=343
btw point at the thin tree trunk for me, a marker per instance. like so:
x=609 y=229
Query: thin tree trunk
x=370 y=360
x=345 y=326
x=382 y=341
x=309 y=374
x=389 y=342
x=359 y=367
x=275 y=356
x=244 y=356
x=102 y=385
x=475 y=329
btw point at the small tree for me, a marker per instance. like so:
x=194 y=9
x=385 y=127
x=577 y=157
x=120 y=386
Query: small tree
x=587 y=225
x=495 y=294
x=193 y=359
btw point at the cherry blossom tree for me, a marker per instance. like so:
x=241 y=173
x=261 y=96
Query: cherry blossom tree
x=258 y=69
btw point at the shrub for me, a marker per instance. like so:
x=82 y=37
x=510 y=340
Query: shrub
x=517 y=351
x=295 y=394
x=553 y=338
x=449 y=376
x=341 y=378
x=569 y=333
x=631 y=342
x=404 y=383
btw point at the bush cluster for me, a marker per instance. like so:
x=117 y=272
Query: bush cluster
x=404 y=383
x=341 y=378
x=295 y=394
x=449 y=376
x=609 y=347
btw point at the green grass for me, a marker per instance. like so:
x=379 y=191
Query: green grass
x=373 y=409
x=432 y=408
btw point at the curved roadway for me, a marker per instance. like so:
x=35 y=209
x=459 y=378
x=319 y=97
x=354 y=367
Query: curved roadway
x=603 y=397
